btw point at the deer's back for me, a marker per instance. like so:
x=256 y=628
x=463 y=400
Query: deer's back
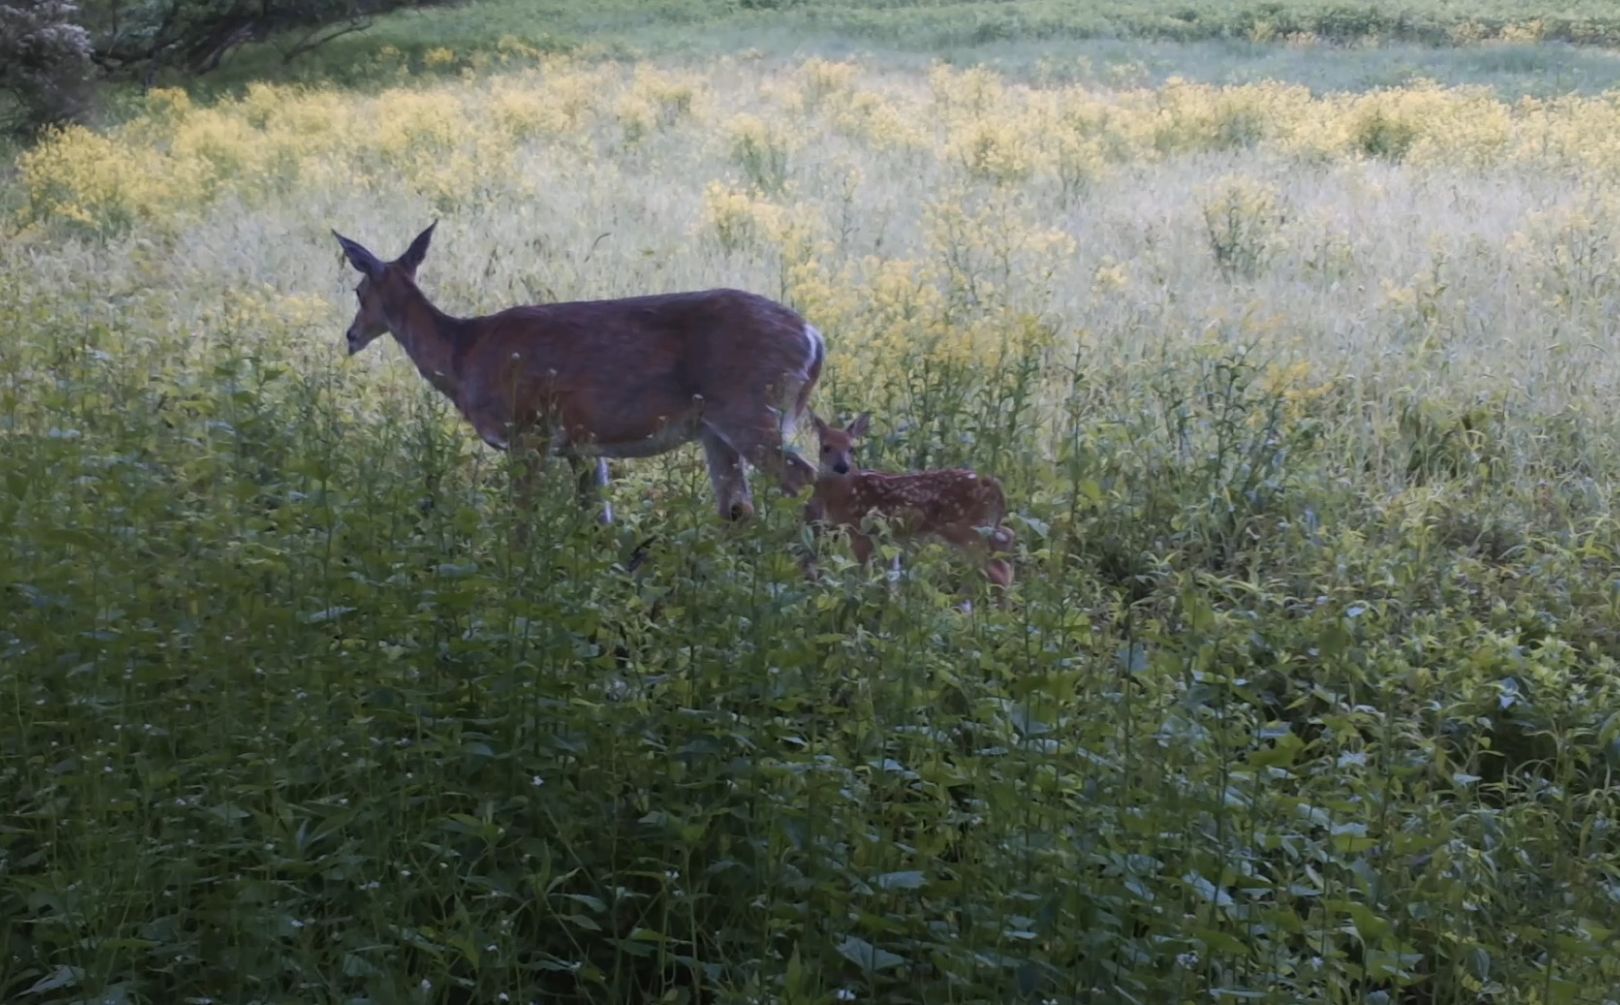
x=699 y=336
x=948 y=496
x=624 y=370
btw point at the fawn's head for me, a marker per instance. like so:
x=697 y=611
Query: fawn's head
x=838 y=445
x=382 y=285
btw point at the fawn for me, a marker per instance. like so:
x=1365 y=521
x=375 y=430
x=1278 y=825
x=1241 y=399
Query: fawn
x=951 y=504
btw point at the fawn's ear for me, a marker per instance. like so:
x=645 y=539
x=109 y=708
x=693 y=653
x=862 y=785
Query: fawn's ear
x=862 y=423
x=821 y=427
x=358 y=256
x=418 y=250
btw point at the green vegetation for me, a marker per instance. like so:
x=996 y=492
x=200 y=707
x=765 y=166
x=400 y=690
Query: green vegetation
x=1307 y=690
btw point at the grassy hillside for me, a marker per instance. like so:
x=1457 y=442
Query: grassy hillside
x=1304 y=403
x=1533 y=48
x=933 y=25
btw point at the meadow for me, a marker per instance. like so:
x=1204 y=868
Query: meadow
x=1304 y=402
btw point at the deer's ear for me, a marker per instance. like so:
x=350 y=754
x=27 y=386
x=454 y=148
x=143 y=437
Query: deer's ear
x=862 y=423
x=358 y=256
x=821 y=427
x=418 y=250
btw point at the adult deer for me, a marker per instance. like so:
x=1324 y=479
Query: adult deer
x=959 y=506
x=596 y=379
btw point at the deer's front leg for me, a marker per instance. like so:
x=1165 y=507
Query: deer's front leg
x=529 y=463
x=527 y=451
x=814 y=511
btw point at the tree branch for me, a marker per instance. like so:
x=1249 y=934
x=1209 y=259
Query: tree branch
x=313 y=39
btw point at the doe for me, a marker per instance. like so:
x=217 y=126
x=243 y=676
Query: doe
x=594 y=379
x=959 y=506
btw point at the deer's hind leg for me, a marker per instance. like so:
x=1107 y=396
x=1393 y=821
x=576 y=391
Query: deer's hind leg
x=971 y=542
x=590 y=479
x=999 y=571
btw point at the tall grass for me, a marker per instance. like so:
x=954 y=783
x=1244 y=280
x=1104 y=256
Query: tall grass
x=1306 y=692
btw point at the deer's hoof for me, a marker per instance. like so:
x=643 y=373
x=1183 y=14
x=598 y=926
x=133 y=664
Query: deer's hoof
x=639 y=556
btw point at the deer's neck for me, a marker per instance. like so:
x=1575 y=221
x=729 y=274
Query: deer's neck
x=432 y=339
x=838 y=494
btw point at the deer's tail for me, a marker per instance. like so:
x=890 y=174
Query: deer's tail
x=812 y=370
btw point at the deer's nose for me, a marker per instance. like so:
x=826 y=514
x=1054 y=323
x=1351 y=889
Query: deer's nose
x=841 y=468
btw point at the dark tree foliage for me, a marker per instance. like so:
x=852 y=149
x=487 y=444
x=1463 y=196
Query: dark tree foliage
x=195 y=35
x=44 y=63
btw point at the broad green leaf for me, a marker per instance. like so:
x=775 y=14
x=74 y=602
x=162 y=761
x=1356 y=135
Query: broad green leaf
x=900 y=880
x=62 y=977
x=867 y=956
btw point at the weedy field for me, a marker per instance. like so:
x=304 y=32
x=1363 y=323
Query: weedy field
x=1305 y=405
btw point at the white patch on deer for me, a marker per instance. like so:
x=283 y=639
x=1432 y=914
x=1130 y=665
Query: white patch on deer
x=816 y=348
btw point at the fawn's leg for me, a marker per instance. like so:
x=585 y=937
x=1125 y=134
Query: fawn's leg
x=861 y=545
x=968 y=540
x=1000 y=570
